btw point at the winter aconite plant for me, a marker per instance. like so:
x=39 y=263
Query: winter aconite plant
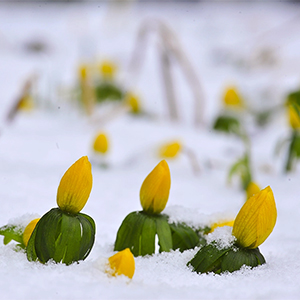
x=253 y=224
x=64 y=234
x=139 y=229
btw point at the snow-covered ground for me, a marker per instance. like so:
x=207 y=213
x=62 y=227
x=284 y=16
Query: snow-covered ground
x=224 y=42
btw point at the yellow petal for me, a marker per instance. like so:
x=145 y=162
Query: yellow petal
x=293 y=117
x=221 y=224
x=155 y=189
x=170 y=150
x=82 y=72
x=101 y=143
x=75 y=186
x=252 y=189
x=108 y=69
x=28 y=231
x=122 y=263
x=232 y=98
x=256 y=219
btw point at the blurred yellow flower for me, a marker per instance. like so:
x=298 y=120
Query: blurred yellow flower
x=232 y=98
x=75 y=186
x=28 y=231
x=252 y=189
x=256 y=219
x=26 y=103
x=108 y=69
x=83 y=72
x=155 y=189
x=221 y=224
x=101 y=143
x=122 y=263
x=293 y=117
x=170 y=150
x=133 y=102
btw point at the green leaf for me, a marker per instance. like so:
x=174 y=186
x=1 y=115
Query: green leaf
x=234 y=259
x=183 y=237
x=147 y=240
x=227 y=124
x=12 y=232
x=128 y=235
x=208 y=259
x=108 y=91
x=164 y=233
x=63 y=237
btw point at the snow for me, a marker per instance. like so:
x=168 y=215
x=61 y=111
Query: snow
x=223 y=42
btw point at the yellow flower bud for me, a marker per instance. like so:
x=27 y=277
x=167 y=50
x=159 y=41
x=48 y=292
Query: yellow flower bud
x=256 y=219
x=252 y=189
x=28 y=231
x=155 y=189
x=83 y=72
x=232 y=98
x=101 y=143
x=293 y=117
x=108 y=69
x=221 y=224
x=26 y=103
x=170 y=150
x=75 y=186
x=134 y=102
x=122 y=263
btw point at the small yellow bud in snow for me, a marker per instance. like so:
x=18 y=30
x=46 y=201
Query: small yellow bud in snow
x=293 y=117
x=256 y=219
x=221 y=224
x=155 y=189
x=232 y=98
x=108 y=69
x=83 y=72
x=252 y=189
x=170 y=150
x=134 y=102
x=28 y=231
x=122 y=263
x=101 y=143
x=75 y=186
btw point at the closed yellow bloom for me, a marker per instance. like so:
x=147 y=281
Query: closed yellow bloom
x=134 y=102
x=252 y=189
x=221 y=224
x=101 y=143
x=170 y=150
x=75 y=186
x=232 y=98
x=256 y=219
x=155 y=189
x=108 y=69
x=122 y=263
x=293 y=117
x=28 y=231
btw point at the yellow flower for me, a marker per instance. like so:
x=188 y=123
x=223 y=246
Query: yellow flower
x=293 y=117
x=101 y=143
x=232 y=98
x=221 y=224
x=256 y=219
x=26 y=103
x=108 y=69
x=83 y=72
x=252 y=189
x=75 y=186
x=122 y=263
x=133 y=102
x=170 y=150
x=155 y=189
x=28 y=231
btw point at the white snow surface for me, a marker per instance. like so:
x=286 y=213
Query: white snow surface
x=223 y=41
